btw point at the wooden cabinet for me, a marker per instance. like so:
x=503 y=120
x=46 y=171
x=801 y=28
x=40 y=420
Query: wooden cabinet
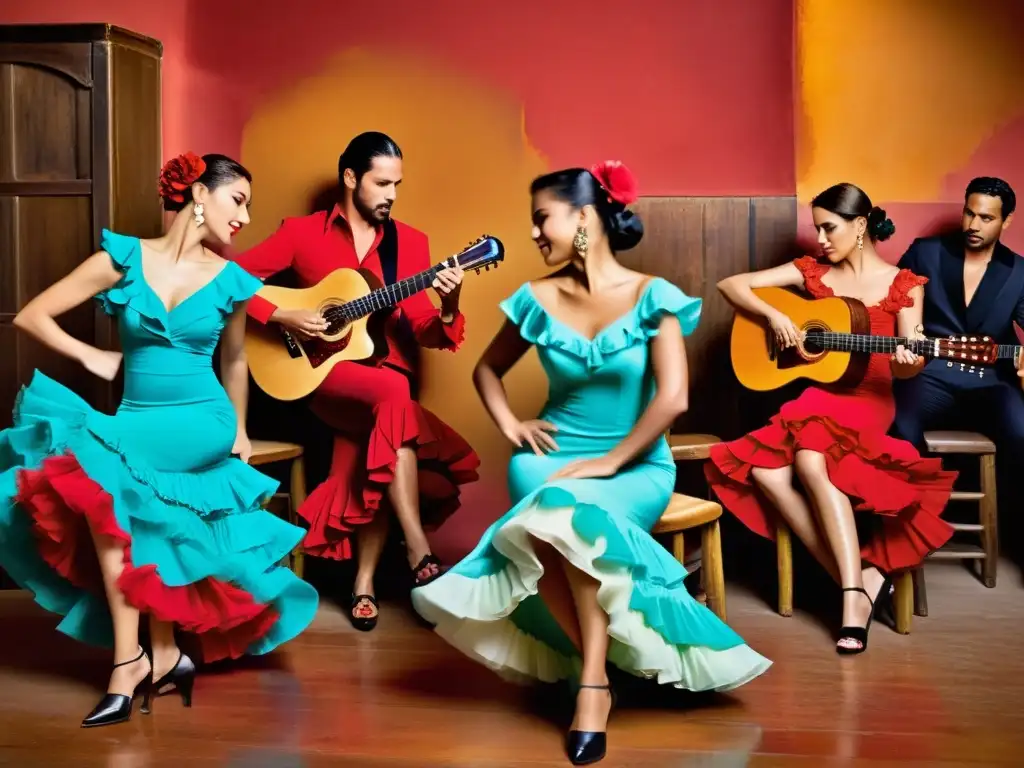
x=79 y=151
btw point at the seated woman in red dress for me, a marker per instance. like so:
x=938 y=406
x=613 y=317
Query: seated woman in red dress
x=833 y=440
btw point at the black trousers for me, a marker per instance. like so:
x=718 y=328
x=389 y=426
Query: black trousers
x=927 y=402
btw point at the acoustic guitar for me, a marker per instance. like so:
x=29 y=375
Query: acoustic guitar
x=836 y=347
x=288 y=367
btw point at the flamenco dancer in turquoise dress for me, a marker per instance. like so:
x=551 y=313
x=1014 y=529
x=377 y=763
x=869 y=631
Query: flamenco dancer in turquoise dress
x=570 y=577
x=147 y=511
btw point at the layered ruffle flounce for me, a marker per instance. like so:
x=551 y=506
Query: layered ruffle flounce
x=883 y=476
x=199 y=549
x=363 y=468
x=488 y=606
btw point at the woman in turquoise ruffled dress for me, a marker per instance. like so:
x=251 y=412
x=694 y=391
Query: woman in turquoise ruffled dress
x=105 y=518
x=570 y=577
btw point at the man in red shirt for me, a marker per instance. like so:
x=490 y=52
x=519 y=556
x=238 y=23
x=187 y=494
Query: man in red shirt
x=385 y=443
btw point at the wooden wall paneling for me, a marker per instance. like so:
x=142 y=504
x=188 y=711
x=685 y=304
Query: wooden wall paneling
x=773 y=242
x=694 y=243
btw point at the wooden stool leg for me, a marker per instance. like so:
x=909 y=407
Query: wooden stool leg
x=904 y=602
x=712 y=568
x=920 y=593
x=989 y=520
x=298 y=494
x=679 y=547
x=784 y=556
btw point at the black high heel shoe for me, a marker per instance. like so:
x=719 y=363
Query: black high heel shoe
x=116 y=707
x=363 y=623
x=181 y=678
x=860 y=634
x=586 y=747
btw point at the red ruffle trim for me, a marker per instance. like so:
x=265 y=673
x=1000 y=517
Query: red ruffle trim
x=882 y=476
x=455 y=332
x=899 y=292
x=352 y=494
x=63 y=501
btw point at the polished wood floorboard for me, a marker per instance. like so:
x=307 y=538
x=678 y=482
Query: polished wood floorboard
x=949 y=694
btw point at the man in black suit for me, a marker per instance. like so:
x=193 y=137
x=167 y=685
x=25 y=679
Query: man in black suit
x=975 y=288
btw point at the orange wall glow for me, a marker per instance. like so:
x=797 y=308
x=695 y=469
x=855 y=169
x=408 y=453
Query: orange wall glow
x=909 y=99
x=431 y=109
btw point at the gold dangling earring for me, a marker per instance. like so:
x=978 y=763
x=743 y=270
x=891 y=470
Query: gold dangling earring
x=197 y=214
x=579 y=242
x=860 y=242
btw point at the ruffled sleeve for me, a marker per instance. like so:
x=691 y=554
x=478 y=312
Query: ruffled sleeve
x=124 y=253
x=661 y=299
x=813 y=270
x=899 y=292
x=235 y=286
x=637 y=326
x=523 y=311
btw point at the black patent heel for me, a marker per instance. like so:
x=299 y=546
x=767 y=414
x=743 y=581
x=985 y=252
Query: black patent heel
x=587 y=747
x=181 y=678
x=116 y=708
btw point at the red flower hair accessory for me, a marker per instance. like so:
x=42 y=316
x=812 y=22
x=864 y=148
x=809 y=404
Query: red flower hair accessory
x=617 y=180
x=178 y=174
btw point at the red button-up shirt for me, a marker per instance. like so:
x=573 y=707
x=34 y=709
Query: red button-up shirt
x=316 y=245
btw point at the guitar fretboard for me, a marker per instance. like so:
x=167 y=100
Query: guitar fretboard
x=855 y=342
x=388 y=296
x=1009 y=351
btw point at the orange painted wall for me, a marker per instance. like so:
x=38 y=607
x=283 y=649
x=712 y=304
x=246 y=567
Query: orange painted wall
x=909 y=99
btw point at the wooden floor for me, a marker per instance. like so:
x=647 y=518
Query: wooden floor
x=949 y=694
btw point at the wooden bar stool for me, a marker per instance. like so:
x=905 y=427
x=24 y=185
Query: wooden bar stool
x=685 y=513
x=270 y=452
x=687 y=447
x=987 y=527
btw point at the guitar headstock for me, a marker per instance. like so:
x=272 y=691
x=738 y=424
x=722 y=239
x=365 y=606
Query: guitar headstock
x=483 y=253
x=969 y=353
x=980 y=350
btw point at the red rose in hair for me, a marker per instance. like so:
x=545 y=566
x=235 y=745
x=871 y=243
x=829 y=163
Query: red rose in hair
x=618 y=181
x=180 y=173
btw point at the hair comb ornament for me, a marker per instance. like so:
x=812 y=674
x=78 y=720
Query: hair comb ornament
x=178 y=174
x=617 y=180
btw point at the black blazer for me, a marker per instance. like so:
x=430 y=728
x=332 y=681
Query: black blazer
x=998 y=301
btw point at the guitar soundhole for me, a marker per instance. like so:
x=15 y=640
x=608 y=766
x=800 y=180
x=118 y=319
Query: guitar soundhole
x=810 y=350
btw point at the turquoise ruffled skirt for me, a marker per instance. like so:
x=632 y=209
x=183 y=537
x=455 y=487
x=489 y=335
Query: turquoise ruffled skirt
x=199 y=549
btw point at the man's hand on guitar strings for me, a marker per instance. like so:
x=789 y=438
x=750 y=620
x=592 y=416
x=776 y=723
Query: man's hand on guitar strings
x=307 y=323
x=448 y=284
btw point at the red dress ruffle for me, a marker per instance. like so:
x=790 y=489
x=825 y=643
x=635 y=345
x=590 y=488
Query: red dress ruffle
x=883 y=476
x=62 y=501
x=362 y=470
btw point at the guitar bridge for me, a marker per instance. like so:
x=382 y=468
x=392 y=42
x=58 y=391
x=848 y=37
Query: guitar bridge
x=294 y=350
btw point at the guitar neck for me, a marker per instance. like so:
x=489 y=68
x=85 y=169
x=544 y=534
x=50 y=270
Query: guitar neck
x=390 y=295
x=1009 y=352
x=856 y=342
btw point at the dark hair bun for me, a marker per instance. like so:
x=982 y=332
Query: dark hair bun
x=880 y=226
x=624 y=229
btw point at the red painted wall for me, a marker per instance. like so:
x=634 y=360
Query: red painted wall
x=695 y=96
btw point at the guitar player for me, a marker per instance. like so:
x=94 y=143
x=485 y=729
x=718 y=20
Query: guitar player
x=975 y=287
x=387 y=448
